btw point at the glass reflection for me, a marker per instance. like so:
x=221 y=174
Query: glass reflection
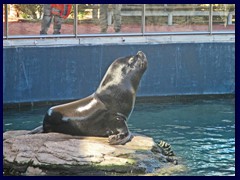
x=4 y=17
x=109 y=18
x=176 y=17
x=29 y=19
x=223 y=17
x=34 y=19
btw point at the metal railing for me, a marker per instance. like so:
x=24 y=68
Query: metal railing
x=142 y=33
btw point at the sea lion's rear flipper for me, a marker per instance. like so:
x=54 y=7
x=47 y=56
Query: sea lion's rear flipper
x=123 y=136
x=36 y=130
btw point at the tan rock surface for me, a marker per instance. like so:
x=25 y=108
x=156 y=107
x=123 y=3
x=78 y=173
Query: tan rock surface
x=60 y=154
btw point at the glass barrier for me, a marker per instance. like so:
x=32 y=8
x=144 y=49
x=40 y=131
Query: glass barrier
x=4 y=24
x=223 y=17
x=132 y=18
x=176 y=17
x=86 y=19
x=109 y=18
x=36 y=19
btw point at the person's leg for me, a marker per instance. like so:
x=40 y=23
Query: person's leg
x=103 y=17
x=47 y=18
x=57 y=24
x=117 y=17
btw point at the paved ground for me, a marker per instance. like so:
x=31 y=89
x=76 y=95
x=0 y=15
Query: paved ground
x=33 y=28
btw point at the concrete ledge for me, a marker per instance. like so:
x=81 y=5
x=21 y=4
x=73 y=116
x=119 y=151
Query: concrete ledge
x=122 y=39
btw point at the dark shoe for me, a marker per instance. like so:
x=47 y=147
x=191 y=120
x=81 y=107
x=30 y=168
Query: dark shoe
x=56 y=32
x=103 y=30
x=43 y=33
x=117 y=30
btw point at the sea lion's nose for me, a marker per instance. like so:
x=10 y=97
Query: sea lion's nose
x=141 y=54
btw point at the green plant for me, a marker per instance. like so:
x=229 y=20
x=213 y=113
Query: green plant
x=29 y=11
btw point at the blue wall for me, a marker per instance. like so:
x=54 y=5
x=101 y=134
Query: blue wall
x=32 y=74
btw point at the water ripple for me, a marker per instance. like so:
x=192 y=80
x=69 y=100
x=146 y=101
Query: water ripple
x=201 y=133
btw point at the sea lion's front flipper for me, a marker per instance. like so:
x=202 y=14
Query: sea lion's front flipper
x=123 y=134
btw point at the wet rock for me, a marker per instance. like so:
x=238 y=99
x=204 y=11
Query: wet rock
x=61 y=154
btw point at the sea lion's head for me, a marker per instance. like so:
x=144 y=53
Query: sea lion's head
x=124 y=73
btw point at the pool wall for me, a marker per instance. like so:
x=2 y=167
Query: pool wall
x=52 y=73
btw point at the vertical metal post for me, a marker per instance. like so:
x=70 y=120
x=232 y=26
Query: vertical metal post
x=75 y=6
x=170 y=19
x=210 y=25
x=229 y=18
x=143 y=19
x=6 y=21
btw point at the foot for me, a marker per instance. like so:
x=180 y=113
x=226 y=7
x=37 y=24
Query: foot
x=103 y=30
x=117 y=30
x=120 y=139
x=56 y=32
x=43 y=33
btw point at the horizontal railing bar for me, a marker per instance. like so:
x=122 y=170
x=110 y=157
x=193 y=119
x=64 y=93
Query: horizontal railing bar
x=174 y=13
x=114 y=35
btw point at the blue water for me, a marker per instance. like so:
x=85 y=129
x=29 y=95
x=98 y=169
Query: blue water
x=201 y=132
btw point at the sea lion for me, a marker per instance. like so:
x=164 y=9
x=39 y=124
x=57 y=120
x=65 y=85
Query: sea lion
x=106 y=111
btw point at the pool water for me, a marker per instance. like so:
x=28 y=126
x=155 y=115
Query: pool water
x=201 y=132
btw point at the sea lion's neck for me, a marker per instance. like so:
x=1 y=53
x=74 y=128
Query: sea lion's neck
x=121 y=98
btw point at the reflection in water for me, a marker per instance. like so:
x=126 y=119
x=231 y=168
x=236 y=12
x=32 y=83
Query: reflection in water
x=201 y=133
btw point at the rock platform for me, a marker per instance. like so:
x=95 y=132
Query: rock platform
x=61 y=154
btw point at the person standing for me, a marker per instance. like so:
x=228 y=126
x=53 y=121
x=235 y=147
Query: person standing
x=56 y=11
x=116 y=17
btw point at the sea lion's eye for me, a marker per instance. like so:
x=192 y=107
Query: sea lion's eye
x=130 y=61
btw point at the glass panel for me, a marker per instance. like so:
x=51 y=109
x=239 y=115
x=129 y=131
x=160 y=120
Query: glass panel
x=132 y=18
x=88 y=17
x=109 y=18
x=26 y=19
x=223 y=17
x=176 y=17
x=4 y=25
